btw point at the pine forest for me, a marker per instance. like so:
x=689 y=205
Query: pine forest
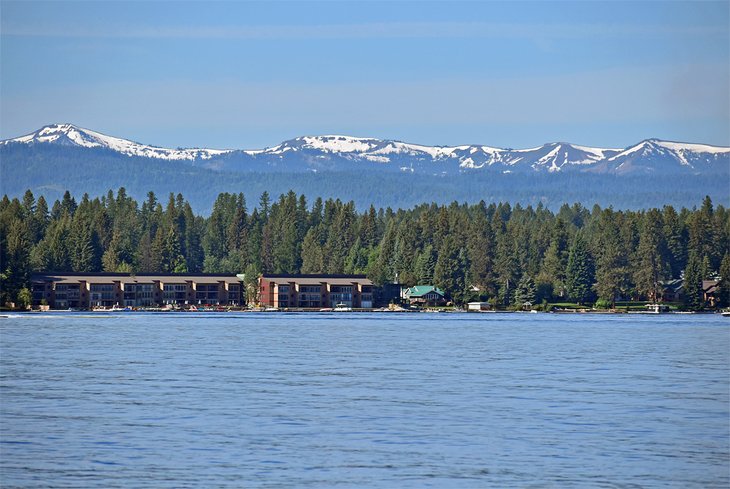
x=502 y=253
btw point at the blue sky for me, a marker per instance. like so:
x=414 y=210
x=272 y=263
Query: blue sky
x=252 y=74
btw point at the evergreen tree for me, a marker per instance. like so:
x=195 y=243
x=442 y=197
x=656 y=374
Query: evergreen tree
x=579 y=273
x=505 y=264
x=611 y=273
x=551 y=277
x=480 y=245
x=340 y=238
x=148 y=257
x=14 y=274
x=119 y=255
x=40 y=219
x=723 y=294
x=426 y=266
x=369 y=228
x=652 y=266
x=251 y=284
x=448 y=272
x=52 y=252
x=313 y=250
x=693 y=283
x=702 y=234
x=357 y=259
x=285 y=226
x=525 y=292
x=166 y=246
x=384 y=270
x=28 y=204
x=68 y=203
x=264 y=205
x=85 y=253
x=675 y=237
x=405 y=253
x=193 y=248
x=315 y=217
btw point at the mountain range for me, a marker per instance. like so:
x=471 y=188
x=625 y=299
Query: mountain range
x=62 y=157
x=343 y=153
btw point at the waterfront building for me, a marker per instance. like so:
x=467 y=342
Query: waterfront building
x=709 y=292
x=315 y=291
x=671 y=290
x=425 y=295
x=89 y=290
x=478 y=306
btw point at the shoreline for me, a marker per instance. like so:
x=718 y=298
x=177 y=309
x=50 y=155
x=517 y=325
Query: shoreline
x=354 y=311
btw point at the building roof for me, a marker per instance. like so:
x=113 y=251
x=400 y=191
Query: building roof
x=421 y=290
x=675 y=285
x=710 y=286
x=317 y=279
x=108 y=278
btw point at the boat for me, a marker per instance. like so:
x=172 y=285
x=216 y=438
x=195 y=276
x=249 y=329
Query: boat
x=342 y=307
x=657 y=308
x=725 y=314
x=120 y=309
x=271 y=309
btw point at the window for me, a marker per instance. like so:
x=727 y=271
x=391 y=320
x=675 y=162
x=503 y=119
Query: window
x=102 y=287
x=174 y=292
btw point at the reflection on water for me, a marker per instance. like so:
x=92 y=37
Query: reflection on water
x=364 y=400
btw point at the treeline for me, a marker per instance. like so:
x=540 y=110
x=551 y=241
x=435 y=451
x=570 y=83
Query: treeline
x=498 y=252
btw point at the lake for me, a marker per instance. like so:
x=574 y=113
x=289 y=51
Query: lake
x=364 y=400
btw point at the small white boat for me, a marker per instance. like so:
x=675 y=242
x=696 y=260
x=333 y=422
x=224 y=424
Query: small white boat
x=271 y=309
x=657 y=308
x=120 y=309
x=342 y=307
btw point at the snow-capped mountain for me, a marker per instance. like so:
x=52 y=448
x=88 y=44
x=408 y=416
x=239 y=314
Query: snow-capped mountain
x=70 y=135
x=652 y=155
x=342 y=153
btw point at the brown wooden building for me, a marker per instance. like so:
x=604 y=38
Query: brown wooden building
x=89 y=290
x=315 y=291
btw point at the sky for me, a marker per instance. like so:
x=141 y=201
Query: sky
x=252 y=74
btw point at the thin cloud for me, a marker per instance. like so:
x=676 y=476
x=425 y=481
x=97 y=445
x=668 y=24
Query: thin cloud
x=391 y=30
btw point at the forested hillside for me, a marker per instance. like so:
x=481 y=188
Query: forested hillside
x=506 y=253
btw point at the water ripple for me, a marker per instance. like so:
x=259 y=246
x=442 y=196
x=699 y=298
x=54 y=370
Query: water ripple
x=357 y=400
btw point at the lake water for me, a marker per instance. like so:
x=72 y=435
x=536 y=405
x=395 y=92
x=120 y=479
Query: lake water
x=365 y=400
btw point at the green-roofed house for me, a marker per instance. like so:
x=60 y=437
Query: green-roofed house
x=425 y=294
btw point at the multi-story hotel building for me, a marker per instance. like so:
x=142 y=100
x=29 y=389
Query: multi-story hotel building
x=88 y=290
x=315 y=291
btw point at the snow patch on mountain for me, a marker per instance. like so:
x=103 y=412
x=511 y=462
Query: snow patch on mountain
x=69 y=134
x=338 y=152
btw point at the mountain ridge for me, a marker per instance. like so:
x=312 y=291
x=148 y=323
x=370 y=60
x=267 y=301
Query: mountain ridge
x=340 y=152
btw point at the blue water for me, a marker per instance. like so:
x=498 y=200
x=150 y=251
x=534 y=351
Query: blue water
x=364 y=400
